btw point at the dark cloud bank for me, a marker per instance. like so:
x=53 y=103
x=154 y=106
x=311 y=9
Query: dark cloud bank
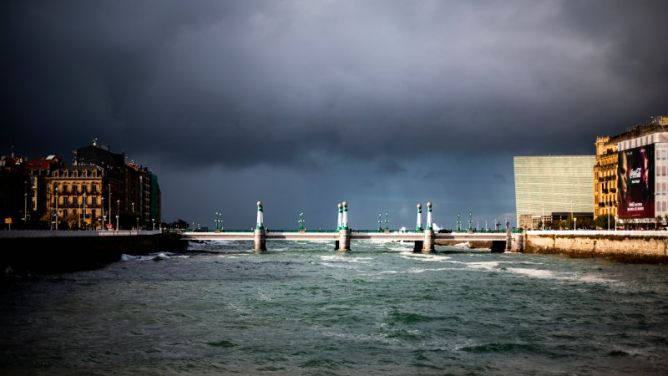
x=304 y=103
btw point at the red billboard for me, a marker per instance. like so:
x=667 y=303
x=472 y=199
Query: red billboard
x=635 y=183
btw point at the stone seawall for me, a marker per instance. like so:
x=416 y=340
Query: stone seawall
x=631 y=246
x=69 y=253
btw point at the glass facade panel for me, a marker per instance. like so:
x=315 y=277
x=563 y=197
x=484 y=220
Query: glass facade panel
x=549 y=184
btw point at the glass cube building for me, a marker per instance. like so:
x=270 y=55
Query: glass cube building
x=546 y=185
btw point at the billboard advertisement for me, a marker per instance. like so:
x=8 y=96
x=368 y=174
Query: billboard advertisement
x=635 y=182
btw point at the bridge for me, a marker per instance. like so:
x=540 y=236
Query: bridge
x=423 y=238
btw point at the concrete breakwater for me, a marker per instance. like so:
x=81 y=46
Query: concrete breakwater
x=631 y=246
x=59 y=251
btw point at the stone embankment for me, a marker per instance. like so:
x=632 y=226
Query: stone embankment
x=630 y=246
x=59 y=251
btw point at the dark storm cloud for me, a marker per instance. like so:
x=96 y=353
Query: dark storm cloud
x=248 y=82
x=302 y=103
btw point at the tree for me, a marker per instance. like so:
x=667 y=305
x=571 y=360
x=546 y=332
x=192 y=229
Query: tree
x=585 y=222
x=179 y=224
x=601 y=222
x=72 y=220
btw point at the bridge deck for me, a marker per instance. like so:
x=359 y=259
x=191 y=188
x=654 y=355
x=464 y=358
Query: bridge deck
x=333 y=236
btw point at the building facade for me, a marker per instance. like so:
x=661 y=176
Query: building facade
x=101 y=189
x=131 y=189
x=605 y=178
x=37 y=170
x=642 y=174
x=552 y=184
x=74 y=198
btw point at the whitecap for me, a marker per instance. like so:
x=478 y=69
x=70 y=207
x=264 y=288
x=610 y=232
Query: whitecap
x=422 y=270
x=347 y=259
x=425 y=257
x=535 y=273
x=486 y=265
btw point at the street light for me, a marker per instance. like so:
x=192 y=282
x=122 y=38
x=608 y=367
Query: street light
x=109 y=186
x=118 y=210
x=217 y=221
x=76 y=197
x=153 y=224
x=84 y=208
x=56 y=208
x=607 y=216
x=25 y=203
x=300 y=222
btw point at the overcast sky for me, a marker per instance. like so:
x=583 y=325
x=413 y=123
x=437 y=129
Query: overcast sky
x=303 y=104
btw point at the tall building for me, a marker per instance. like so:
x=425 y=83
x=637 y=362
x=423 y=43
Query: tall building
x=74 y=197
x=100 y=190
x=13 y=189
x=548 y=188
x=642 y=173
x=131 y=189
x=605 y=178
x=37 y=170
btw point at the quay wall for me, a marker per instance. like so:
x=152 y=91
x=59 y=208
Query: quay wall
x=630 y=246
x=65 y=251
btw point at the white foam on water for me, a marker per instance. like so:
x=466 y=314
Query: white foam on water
x=234 y=255
x=153 y=256
x=422 y=270
x=312 y=241
x=356 y=337
x=399 y=247
x=596 y=279
x=336 y=265
x=561 y=276
x=534 y=273
x=346 y=259
x=485 y=265
x=428 y=257
x=196 y=246
x=220 y=241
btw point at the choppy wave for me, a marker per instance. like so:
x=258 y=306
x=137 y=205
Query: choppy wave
x=152 y=256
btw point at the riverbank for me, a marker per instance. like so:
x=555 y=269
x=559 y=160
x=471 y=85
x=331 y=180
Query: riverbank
x=626 y=246
x=62 y=251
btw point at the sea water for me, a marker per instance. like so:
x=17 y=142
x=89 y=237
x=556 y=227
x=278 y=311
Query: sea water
x=302 y=308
